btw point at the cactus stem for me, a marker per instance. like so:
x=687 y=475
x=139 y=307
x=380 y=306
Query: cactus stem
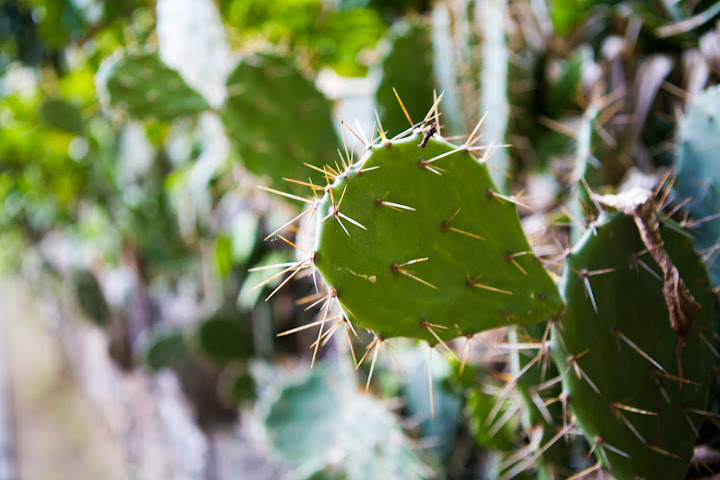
x=402 y=105
x=615 y=332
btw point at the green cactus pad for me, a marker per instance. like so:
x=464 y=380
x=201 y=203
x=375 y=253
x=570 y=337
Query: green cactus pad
x=408 y=68
x=278 y=119
x=601 y=346
x=698 y=171
x=322 y=423
x=139 y=83
x=456 y=264
x=541 y=411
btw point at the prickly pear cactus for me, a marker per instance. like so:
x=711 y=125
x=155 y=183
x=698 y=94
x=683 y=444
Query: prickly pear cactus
x=541 y=404
x=619 y=356
x=328 y=429
x=278 y=119
x=143 y=86
x=698 y=172
x=416 y=242
x=408 y=68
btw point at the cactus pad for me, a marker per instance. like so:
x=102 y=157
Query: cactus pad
x=407 y=68
x=139 y=83
x=618 y=353
x=325 y=426
x=698 y=171
x=277 y=119
x=416 y=242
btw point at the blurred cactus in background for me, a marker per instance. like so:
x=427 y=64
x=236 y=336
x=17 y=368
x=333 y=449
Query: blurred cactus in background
x=501 y=262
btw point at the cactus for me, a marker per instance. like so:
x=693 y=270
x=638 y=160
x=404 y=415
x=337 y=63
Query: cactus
x=634 y=392
x=416 y=242
x=277 y=119
x=541 y=404
x=139 y=83
x=328 y=429
x=698 y=176
x=407 y=68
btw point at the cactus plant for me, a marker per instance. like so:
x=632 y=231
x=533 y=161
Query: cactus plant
x=698 y=177
x=318 y=423
x=414 y=241
x=635 y=393
x=139 y=83
x=277 y=119
x=407 y=68
x=542 y=405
